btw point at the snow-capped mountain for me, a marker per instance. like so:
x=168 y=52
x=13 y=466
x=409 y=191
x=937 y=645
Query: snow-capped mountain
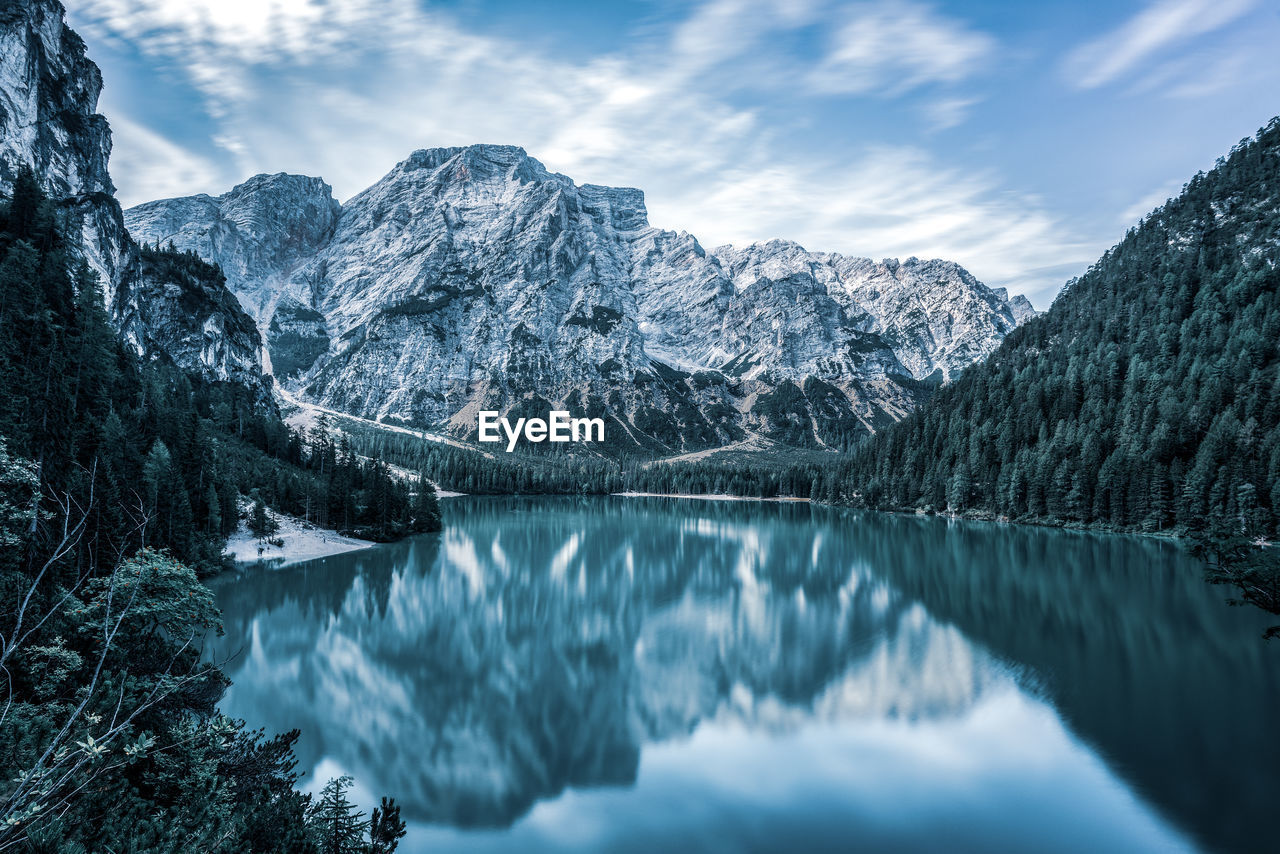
x=48 y=98
x=472 y=278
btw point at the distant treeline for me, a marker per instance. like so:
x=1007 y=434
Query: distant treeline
x=472 y=472
x=1147 y=398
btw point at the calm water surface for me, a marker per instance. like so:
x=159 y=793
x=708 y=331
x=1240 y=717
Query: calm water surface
x=649 y=674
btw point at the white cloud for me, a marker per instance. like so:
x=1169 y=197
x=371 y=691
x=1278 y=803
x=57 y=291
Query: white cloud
x=886 y=202
x=345 y=93
x=1212 y=77
x=1163 y=24
x=154 y=166
x=948 y=112
x=897 y=47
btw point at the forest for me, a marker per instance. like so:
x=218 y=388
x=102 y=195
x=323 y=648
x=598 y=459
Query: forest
x=475 y=473
x=1146 y=399
x=119 y=481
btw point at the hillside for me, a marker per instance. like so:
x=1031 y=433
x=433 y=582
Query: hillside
x=1146 y=398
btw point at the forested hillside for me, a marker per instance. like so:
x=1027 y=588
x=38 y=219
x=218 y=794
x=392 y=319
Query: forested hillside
x=1147 y=397
x=119 y=480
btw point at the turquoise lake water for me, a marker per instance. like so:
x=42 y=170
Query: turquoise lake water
x=557 y=674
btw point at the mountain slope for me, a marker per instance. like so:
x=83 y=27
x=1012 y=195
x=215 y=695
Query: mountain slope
x=472 y=278
x=48 y=124
x=1148 y=396
x=934 y=315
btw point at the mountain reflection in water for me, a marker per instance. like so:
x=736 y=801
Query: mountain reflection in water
x=630 y=674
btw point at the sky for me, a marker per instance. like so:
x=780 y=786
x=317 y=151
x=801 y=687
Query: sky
x=1019 y=139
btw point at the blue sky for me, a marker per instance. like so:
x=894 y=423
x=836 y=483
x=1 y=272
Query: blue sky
x=1017 y=138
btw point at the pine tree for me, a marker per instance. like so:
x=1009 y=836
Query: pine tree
x=337 y=826
x=426 y=511
x=385 y=828
x=261 y=523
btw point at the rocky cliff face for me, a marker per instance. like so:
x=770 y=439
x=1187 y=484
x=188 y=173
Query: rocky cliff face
x=934 y=315
x=48 y=98
x=1021 y=307
x=472 y=278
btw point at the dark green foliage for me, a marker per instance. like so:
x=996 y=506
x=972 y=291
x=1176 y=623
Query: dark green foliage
x=1147 y=397
x=169 y=264
x=1236 y=560
x=261 y=523
x=336 y=826
x=785 y=413
x=117 y=481
x=385 y=828
x=358 y=495
x=474 y=473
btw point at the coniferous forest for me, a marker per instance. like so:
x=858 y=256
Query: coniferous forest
x=1147 y=398
x=119 y=482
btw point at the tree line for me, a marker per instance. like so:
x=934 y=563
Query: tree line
x=475 y=473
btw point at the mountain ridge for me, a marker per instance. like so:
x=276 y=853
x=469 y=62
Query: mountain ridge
x=520 y=287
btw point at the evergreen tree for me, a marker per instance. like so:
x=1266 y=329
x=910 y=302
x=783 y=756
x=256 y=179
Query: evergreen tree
x=337 y=826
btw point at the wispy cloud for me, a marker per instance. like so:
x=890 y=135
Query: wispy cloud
x=948 y=112
x=1148 y=202
x=151 y=167
x=888 y=202
x=344 y=91
x=1162 y=25
x=897 y=47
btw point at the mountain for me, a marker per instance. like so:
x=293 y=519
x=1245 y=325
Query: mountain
x=1147 y=396
x=49 y=124
x=934 y=315
x=474 y=278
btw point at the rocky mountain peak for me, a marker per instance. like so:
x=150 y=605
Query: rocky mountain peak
x=621 y=207
x=474 y=277
x=259 y=231
x=1021 y=307
x=479 y=169
x=48 y=100
x=48 y=122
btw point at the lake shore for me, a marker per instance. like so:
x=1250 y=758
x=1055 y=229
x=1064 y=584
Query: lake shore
x=707 y=497
x=299 y=541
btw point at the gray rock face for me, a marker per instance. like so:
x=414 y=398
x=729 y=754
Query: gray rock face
x=1021 y=307
x=934 y=315
x=48 y=122
x=472 y=278
x=260 y=232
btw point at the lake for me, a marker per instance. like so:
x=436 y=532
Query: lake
x=623 y=674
